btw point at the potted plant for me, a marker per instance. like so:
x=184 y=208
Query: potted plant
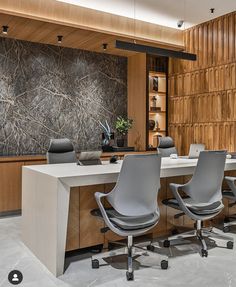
x=122 y=126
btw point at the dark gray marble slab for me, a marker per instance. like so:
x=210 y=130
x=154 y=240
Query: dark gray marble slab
x=52 y=92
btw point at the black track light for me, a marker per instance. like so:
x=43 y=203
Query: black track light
x=5 y=29
x=59 y=39
x=212 y=10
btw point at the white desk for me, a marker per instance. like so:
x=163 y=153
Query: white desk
x=45 y=201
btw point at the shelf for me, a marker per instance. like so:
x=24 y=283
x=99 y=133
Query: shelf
x=156 y=131
x=157 y=93
x=159 y=74
x=159 y=112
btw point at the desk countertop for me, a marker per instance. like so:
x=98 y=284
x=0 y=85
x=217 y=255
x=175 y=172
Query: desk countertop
x=169 y=167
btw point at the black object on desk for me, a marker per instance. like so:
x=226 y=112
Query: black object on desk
x=113 y=159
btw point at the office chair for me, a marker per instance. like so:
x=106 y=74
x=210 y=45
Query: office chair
x=61 y=151
x=166 y=146
x=134 y=208
x=204 y=198
x=231 y=195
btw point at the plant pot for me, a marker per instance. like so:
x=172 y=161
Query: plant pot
x=120 y=142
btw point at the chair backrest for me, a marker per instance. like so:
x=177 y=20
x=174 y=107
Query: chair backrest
x=166 y=146
x=61 y=151
x=205 y=185
x=135 y=193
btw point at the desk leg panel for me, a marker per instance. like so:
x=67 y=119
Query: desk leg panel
x=45 y=202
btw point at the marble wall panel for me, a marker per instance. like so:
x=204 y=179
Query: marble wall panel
x=52 y=92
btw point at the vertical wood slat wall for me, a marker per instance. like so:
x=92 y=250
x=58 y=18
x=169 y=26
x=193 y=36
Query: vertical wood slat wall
x=202 y=94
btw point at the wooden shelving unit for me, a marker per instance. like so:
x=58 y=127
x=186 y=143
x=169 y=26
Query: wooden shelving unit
x=156 y=99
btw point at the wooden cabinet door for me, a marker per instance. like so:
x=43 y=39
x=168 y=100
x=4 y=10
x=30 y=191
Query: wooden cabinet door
x=89 y=230
x=10 y=189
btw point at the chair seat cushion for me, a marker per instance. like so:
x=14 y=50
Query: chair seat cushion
x=128 y=222
x=228 y=194
x=197 y=208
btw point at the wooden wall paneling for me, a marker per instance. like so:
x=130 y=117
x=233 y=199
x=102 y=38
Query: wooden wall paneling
x=233 y=76
x=227 y=77
x=202 y=81
x=10 y=191
x=216 y=79
x=205 y=45
x=180 y=85
x=90 y=226
x=186 y=84
x=233 y=106
x=232 y=139
x=73 y=228
x=220 y=42
x=224 y=106
x=137 y=100
x=215 y=42
x=192 y=84
x=181 y=109
x=222 y=78
x=210 y=44
x=226 y=39
x=232 y=38
x=206 y=72
x=215 y=136
x=197 y=82
x=200 y=46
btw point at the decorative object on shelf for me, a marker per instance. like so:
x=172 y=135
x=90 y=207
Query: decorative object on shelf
x=151 y=125
x=157 y=126
x=155 y=84
x=122 y=126
x=154 y=101
x=106 y=137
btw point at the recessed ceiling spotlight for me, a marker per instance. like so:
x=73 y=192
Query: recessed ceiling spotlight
x=5 y=29
x=59 y=39
x=104 y=46
x=212 y=10
x=180 y=23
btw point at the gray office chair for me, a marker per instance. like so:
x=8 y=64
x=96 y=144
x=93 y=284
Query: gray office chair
x=134 y=203
x=166 y=146
x=61 y=151
x=204 y=197
x=231 y=195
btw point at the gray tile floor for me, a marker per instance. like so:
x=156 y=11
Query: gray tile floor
x=187 y=268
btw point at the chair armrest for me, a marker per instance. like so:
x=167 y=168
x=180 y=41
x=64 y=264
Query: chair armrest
x=98 y=197
x=231 y=183
x=175 y=190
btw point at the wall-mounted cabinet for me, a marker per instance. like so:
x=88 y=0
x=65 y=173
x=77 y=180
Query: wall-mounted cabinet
x=147 y=100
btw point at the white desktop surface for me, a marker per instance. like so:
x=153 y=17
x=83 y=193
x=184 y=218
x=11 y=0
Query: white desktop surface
x=46 y=194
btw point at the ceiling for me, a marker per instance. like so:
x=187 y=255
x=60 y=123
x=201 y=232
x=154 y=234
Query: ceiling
x=44 y=32
x=162 y=12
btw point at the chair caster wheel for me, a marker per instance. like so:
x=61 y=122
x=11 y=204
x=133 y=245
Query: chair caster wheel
x=150 y=248
x=129 y=276
x=95 y=264
x=166 y=243
x=226 y=229
x=174 y=231
x=230 y=245
x=204 y=253
x=164 y=264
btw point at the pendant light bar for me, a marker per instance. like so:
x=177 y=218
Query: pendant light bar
x=154 y=50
